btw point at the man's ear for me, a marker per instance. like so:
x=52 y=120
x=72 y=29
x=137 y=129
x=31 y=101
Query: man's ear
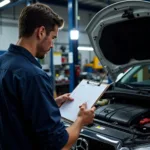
x=41 y=32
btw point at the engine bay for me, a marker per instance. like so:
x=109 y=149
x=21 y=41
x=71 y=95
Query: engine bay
x=120 y=123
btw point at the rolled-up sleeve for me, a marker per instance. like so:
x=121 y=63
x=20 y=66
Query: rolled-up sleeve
x=41 y=113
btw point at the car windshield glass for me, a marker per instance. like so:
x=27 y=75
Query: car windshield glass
x=137 y=77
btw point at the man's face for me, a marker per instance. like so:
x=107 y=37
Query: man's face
x=46 y=43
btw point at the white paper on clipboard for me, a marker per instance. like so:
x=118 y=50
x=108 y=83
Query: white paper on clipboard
x=84 y=92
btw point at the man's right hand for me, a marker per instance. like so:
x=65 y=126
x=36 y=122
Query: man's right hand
x=86 y=115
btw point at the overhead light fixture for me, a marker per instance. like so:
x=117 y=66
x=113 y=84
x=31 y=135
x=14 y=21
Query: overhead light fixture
x=74 y=34
x=4 y=2
x=81 y=48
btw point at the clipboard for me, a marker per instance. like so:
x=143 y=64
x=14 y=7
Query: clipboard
x=86 y=91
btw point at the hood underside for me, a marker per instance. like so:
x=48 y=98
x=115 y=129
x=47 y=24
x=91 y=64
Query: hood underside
x=124 y=41
x=120 y=35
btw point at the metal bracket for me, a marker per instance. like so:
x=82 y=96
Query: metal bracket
x=128 y=13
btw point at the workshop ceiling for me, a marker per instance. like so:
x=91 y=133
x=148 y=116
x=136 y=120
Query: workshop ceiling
x=91 y=5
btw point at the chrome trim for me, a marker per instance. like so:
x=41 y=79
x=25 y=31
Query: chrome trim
x=107 y=139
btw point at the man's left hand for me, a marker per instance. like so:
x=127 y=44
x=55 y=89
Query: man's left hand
x=63 y=98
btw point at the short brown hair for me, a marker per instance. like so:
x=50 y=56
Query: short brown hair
x=37 y=15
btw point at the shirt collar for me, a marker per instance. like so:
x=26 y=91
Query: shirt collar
x=21 y=50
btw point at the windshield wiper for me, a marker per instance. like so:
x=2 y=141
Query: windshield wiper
x=129 y=86
x=138 y=89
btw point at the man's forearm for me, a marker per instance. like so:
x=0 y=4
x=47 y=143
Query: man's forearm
x=73 y=131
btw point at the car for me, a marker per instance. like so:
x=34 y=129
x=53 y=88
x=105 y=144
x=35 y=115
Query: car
x=120 y=35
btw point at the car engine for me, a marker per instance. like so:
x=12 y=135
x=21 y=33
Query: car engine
x=119 y=125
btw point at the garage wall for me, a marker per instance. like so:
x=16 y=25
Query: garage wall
x=8 y=34
x=9 y=29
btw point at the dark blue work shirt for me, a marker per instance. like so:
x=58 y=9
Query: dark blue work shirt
x=29 y=115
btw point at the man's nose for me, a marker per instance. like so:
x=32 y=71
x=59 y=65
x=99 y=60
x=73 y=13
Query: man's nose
x=52 y=45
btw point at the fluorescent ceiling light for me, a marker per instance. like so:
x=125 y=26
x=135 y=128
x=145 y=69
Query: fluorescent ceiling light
x=81 y=48
x=4 y=2
x=74 y=34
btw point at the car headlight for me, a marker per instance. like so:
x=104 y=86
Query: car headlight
x=142 y=147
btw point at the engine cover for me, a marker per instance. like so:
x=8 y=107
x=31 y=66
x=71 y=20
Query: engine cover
x=122 y=114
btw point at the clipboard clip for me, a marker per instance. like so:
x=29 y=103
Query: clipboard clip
x=92 y=82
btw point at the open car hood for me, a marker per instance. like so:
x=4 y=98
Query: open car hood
x=120 y=35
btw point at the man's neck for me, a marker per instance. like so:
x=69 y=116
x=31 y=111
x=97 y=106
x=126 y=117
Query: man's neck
x=28 y=44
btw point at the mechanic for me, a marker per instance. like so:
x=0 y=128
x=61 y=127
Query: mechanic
x=29 y=116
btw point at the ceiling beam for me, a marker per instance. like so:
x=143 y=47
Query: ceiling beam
x=64 y=3
x=88 y=5
x=94 y=2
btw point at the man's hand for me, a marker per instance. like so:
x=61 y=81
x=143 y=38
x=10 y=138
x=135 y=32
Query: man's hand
x=63 y=98
x=86 y=116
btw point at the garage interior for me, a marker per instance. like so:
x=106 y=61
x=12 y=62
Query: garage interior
x=123 y=111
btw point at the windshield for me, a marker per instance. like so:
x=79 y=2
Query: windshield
x=138 y=76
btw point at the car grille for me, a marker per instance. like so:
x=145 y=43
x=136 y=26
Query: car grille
x=87 y=143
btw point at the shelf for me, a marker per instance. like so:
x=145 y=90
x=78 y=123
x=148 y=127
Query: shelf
x=65 y=53
x=61 y=84
x=63 y=64
x=62 y=53
x=62 y=88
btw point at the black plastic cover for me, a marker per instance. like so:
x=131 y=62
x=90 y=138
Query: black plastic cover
x=121 y=113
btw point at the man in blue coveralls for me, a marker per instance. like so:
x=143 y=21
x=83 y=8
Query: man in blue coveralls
x=29 y=115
